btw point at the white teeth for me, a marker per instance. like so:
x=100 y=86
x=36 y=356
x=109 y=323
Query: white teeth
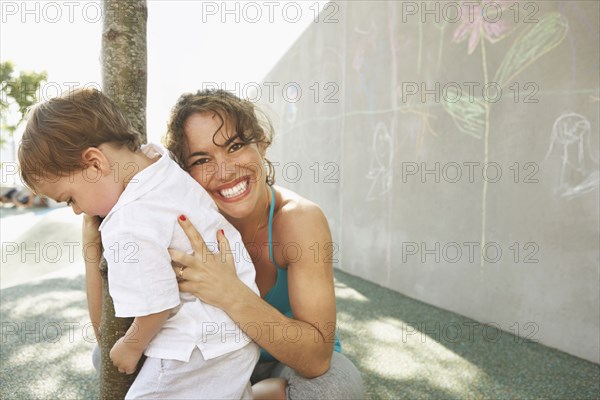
x=235 y=191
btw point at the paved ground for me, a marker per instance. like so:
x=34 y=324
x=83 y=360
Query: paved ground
x=405 y=349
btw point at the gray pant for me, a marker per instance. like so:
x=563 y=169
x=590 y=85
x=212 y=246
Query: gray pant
x=341 y=381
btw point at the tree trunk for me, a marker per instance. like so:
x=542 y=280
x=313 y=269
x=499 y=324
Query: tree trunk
x=124 y=77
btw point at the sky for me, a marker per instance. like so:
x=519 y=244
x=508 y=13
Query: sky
x=191 y=44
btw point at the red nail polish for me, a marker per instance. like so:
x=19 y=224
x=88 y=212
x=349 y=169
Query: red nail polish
x=182 y=217
x=222 y=232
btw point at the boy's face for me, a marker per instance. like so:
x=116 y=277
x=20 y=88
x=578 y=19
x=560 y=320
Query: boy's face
x=85 y=191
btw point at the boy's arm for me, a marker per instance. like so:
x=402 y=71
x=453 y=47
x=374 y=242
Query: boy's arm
x=141 y=283
x=128 y=350
x=93 y=281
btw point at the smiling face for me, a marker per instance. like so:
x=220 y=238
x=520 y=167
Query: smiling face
x=231 y=171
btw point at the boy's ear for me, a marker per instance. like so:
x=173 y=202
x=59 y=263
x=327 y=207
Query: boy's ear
x=93 y=157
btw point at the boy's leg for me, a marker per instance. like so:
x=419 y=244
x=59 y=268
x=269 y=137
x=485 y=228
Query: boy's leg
x=96 y=358
x=265 y=387
x=224 y=377
x=270 y=389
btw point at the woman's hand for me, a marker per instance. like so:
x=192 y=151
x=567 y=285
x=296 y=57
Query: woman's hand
x=210 y=277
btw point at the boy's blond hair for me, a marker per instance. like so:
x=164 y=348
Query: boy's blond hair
x=60 y=129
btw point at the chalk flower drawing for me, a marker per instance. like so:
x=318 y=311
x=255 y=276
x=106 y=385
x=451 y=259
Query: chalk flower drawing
x=475 y=25
x=537 y=39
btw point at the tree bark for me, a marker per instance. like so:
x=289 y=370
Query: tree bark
x=124 y=59
x=124 y=79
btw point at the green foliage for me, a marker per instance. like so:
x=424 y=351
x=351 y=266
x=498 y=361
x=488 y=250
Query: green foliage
x=19 y=90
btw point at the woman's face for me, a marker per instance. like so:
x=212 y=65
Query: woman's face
x=233 y=174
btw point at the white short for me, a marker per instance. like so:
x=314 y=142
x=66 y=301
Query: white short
x=224 y=377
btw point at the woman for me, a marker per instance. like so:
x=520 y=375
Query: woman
x=221 y=142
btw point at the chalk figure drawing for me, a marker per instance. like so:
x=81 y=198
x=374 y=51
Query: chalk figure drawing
x=380 y=169
x=579 y=168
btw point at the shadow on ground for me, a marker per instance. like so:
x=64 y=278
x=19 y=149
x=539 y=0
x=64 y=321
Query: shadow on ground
x=46 y=341
x=404 y=348
x=408 y=349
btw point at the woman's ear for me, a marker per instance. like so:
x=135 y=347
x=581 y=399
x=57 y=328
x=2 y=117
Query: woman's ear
x=262 y=148
x=93 y=157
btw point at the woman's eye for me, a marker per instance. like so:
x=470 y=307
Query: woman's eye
x=236 y=147
x=199 y=161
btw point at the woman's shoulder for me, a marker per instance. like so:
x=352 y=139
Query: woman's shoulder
x=290 y=204
x=296 y=215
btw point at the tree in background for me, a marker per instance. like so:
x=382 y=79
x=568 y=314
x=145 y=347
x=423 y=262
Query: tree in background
x=124 y=77
x=17 y=94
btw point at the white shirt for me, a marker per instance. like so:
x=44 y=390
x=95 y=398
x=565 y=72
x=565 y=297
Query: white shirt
x=136 y=234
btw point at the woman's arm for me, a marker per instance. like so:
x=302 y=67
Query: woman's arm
x=305 y=343
x=310 y=284
x=92 y=250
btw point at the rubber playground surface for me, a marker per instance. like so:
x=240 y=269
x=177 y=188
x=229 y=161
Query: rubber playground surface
x=404 y=348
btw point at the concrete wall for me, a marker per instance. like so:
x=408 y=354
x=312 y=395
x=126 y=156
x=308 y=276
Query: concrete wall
x=353 y=136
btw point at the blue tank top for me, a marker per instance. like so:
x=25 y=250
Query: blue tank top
x=279 y=296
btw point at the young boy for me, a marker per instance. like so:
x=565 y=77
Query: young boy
x=79 y=148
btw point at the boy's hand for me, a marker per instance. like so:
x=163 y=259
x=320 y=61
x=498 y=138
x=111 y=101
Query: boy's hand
x=90 y=228
x=125 y=356
x=128 y=350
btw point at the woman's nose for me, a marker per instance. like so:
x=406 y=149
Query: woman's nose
x=226 y=170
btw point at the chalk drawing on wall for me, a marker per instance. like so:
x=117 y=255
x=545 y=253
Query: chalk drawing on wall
x=477 y=27
x=368 y=49
x=308 y=108
x=442 y=28
x=369 y=40
x=323 y=99
x=417 y=134
x=579 y=165
x=382 y=158
x=471 y=117
x=542 y=37
x=381 y=152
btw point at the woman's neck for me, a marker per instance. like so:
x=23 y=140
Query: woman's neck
x=250 y=225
